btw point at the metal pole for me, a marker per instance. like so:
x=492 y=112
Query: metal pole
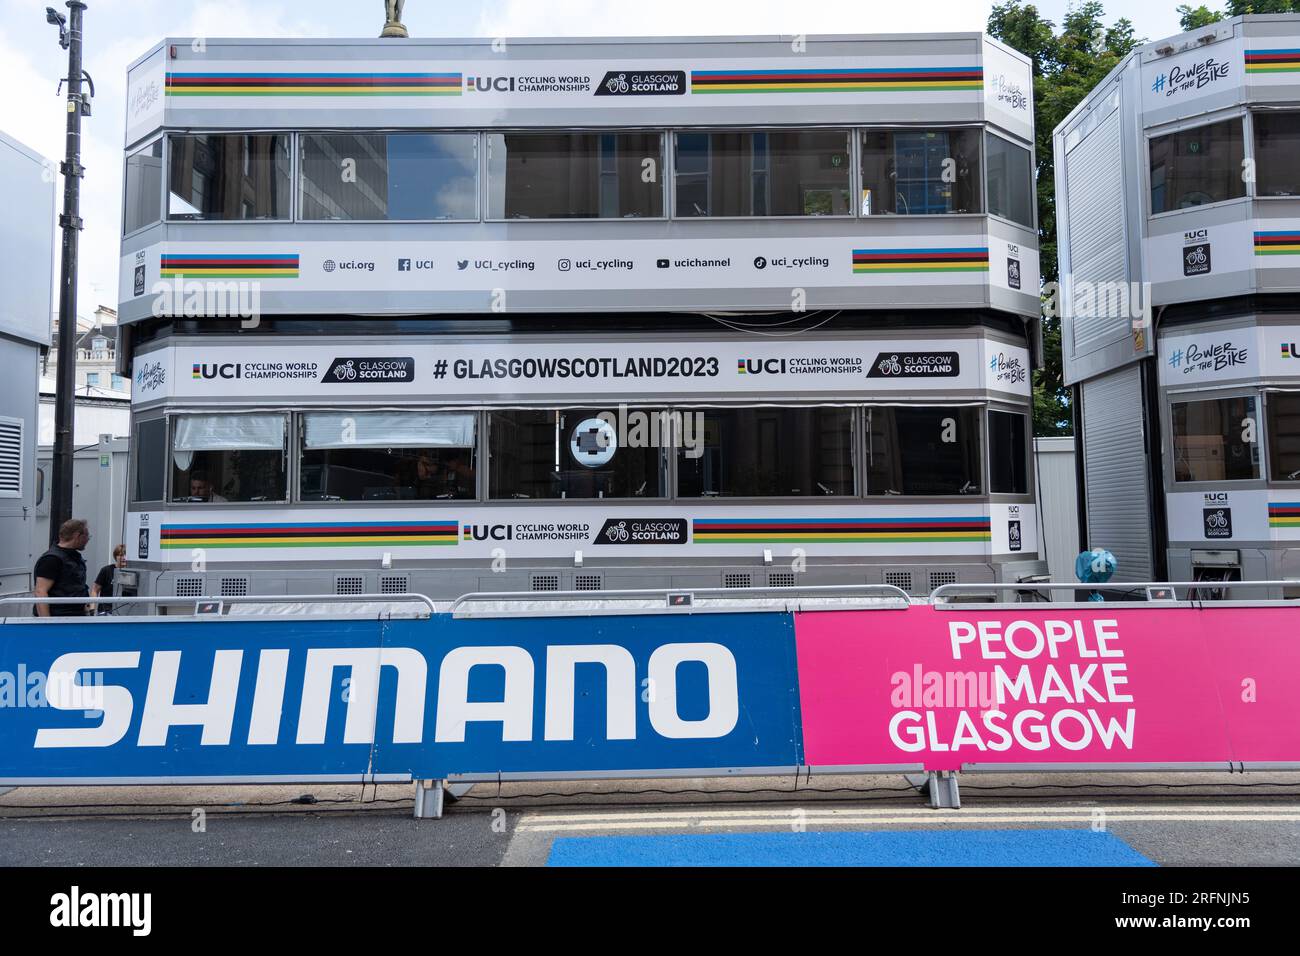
x=70 y=223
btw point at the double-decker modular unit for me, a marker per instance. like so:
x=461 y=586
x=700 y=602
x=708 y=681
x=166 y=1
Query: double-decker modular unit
x=1178 y=184
x=452 y=316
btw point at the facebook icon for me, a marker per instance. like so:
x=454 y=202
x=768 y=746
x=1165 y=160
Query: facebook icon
x=403 y=265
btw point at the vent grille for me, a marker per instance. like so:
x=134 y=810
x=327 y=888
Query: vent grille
x=939 y=578
x=350 y=585
x=587 y=582
x=900 y=579
x=189 y=587
x=11 y=458
x=737 y=579
x=780 y=579
x=234 y=587
x=546 y=582
x=393 y=584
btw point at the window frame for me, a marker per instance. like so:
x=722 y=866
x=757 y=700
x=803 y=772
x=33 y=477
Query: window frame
x=1214 y=395
x=134 y=468
x=1266 y=461
x=164 y=187
x=290 y=458
x=1030 y=459
x=1241 y=114
x=1252 y=187
x=294 y=176
x=855 y=173
x=981 y=408
x=485 y=184
x=982 y=183
x=989 y=130
x=300 y=181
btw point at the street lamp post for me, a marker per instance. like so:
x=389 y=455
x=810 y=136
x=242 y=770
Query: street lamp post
x=70 y=223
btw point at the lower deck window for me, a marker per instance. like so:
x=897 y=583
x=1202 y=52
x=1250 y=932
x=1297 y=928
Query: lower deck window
x=1284 y=435
x=1215 y=440
x=769 y=452
x=923 y=451
x=217 y=458
x=1008 y=454
x=571 y=453
x=387 y=456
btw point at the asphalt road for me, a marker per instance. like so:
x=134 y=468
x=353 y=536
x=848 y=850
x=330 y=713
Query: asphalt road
x=1208 y=819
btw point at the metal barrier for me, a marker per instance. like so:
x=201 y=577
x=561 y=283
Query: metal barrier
x=1126 y=586
x=898 y=598
x=156 y=600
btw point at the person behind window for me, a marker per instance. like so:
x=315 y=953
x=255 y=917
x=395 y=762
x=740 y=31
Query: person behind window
x=61 y=571
x=103 y=586
x=451 y=478
x=201 y=488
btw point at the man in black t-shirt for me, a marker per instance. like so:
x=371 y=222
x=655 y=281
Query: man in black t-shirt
x=61 y=571
x=103 y=586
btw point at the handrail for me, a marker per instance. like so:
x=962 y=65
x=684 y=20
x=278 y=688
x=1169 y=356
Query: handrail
x=241 y=599
x=944 y=590
x=773 y=590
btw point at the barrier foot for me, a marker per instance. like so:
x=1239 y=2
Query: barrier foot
x=428 y=799
x=944 y=794
x=457 y=790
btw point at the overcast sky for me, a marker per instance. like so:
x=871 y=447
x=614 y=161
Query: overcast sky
x=117 y=31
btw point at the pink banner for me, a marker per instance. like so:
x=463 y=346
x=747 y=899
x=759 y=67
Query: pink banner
x=946 y=688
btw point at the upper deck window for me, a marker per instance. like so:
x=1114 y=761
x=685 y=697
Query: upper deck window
x=143 y=205
x=1213 y=440
x=1010 y=180
x=763 y=173
x=229 y=176
x=575 y=175
x=1284 y=435
x=923 y=451
x=218 y=458
x=1194 y=167
x=1277 y=154
x=389 y=176
x=1008 y=448
x=907 y=172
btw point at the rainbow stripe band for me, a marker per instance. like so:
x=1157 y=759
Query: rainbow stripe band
x=973 y=259
x=836 y=530
x=1273 y=61
x=1277 y=243
x=887 y=80
x=1284 y=514
x=342 y=534
x=314 y=84
x=245 y=266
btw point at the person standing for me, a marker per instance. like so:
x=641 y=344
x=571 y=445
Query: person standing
x=103 y=586
x=61 y=571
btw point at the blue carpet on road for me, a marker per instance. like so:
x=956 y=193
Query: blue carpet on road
x=886 y=848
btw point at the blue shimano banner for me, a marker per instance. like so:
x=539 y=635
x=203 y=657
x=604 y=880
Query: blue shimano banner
x=300 y=699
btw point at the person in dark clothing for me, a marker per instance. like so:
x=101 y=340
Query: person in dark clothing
x=103 y=586
x=61 y=571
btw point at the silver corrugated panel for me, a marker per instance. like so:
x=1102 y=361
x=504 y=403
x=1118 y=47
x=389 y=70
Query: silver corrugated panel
x=1097 y=249
x=1115 y=471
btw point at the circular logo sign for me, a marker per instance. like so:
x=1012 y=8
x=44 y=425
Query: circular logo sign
x=593 y=443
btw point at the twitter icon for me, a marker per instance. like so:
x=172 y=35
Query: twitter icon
x=462 y=264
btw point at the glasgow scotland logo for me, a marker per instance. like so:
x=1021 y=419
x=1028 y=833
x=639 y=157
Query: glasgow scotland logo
x=357 y=370
x=642 y=83
x=642 y=531
x=915 y=365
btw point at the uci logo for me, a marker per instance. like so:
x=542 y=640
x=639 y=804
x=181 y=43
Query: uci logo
x=488 y=84
x=488 y=532
x=771 y=366
x=222 y=370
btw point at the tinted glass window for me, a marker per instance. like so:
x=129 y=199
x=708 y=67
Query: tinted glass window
x=143 y=188
x=389 y=176
x=229 y=176
x=387 y=456
x=218 y=458
x=1010 y=180
x=149 y=451
x=1284 y=435
x=575 y=175
x=1277 y=154
x=923 y=451
x=1197 y=166
x=1210 y=440
x=769 y=453
x=920 y=172
x=1008 y=468
x=567 y=454
x=774 y=173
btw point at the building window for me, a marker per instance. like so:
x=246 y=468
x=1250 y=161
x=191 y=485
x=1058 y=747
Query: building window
x=218 y=458
x=1010 y=180
x=1197 y=166
x=1211 y=440
x=1284 y=435
x=920 y=172
x=1008 y=454
x=768 y=453
x=149 y=454
x=143 y=205
x=1277 y=144
x=229 y=176
x=575 y=175
x=387 y=456
x=389 y=176
x=923 y=451
x=773 y=173
x=119 y=383
x=92 y=378
x=568 y=454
